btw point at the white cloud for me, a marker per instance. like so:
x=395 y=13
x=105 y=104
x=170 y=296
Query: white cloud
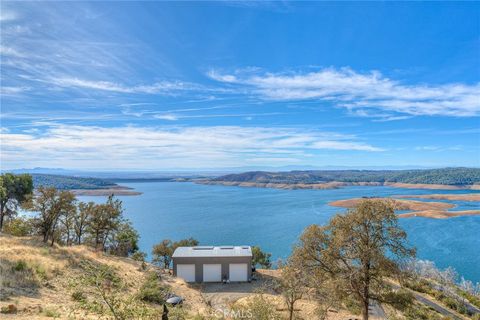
x=354 y=91
x=12 y=52
x=5 y=90
x=157 y=147
x=7 y=15
x=169 y=117
x=158 y=87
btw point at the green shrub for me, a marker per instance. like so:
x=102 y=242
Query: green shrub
x=400 y=300
x=152 y=290
x=19 y=227
x=41 y=272
x=78 y=296
x=420 y=312
x=10 y=309
x=177 y=313
x=50 y=313
x=20 y=265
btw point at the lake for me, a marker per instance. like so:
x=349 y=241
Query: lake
x=273 y=219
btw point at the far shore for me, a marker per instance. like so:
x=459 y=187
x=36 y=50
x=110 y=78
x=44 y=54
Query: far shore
x=333 y=185
x=289 y=186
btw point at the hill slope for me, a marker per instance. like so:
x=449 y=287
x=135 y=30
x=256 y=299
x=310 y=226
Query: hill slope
x=324 y=179
x=40 y=281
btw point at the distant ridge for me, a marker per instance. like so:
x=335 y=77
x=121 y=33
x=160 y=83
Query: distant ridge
x=443 y=176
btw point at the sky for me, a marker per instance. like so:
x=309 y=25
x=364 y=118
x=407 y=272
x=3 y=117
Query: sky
x=177 y=85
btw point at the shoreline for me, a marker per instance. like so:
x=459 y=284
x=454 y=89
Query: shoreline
x=115 y=190
x=333 y=185
x=104 y=192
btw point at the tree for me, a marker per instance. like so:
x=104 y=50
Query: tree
x=81 y=218
x=291 y=284
x=124 y=241
x=51 y=204
x=140 y=256
x=357 y=251
x=261 y=258
x=162 y=253
x=190 y=242
x=68 y=224
x=104 y=220
x=14 y=190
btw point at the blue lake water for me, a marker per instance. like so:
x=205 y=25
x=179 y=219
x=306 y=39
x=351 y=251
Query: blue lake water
x=273 y=219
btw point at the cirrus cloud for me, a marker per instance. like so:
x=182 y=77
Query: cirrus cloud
x=359 y=91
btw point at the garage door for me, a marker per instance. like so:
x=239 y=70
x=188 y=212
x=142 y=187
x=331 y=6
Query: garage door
x=212 y=273
x=186 y=272
x=238 y=271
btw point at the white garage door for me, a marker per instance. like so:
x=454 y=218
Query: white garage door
x=212 y=273
x=186 y=272
x=238 y=271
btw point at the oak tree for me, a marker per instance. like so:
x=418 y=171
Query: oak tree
x=357 y=251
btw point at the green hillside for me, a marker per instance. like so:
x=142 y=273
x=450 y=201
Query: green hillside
x=446 y=176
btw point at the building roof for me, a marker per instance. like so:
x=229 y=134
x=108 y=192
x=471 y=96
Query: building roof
x=210 y=251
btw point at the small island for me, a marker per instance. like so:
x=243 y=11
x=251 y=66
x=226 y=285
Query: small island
x=435 y=210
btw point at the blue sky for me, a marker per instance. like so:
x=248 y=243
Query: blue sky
x=175 y=85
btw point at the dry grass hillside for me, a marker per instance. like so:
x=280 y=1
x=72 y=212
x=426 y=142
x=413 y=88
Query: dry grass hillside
x=39 y=281
x=42 y=282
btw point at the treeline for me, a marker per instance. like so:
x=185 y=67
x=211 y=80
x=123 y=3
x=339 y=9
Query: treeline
x=60 y=218
x=447 y=176
x=69 y=182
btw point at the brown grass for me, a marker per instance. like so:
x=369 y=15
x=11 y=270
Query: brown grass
x=44 y=288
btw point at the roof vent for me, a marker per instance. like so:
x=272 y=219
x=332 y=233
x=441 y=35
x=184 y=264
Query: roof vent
x=203 y=248
x=245 y=247
x=226 y=248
